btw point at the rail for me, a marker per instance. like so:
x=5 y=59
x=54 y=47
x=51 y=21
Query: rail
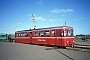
x=80 y=47
x=84 y=46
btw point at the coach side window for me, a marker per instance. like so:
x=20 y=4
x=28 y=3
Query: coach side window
x=19 y=34
x=47 y=33
x=41 y=33
x=53 y=33
x=24 y=34
x=36 y=33
x=16 y=35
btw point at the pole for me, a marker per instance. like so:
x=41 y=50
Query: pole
x=33 y=21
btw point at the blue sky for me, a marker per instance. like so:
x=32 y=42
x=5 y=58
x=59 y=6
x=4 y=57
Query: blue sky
x=14 y=13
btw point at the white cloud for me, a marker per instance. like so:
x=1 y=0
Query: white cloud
x=76 y=20
x=7 y=30
x=61 y=10
x=51 y=20
x=69 y=14
x=39 y=18
x=29 y=15
x=79 y=19
x=66 y=14
x=63 y=15
x=19 y=23
x=3 y=25
x=61 y=20
x=82 y=18
x=40 y=2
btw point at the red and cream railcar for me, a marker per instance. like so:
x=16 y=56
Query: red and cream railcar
x=57 y=36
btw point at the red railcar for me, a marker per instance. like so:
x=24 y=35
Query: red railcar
x=57 y=36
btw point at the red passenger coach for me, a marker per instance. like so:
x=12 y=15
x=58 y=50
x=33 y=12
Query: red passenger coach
x=22 y=36
x=57 y=36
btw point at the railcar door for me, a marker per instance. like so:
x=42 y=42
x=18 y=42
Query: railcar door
x=58 y=38
x=30 y=37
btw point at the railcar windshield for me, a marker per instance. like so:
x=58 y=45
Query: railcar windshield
x=68 y=32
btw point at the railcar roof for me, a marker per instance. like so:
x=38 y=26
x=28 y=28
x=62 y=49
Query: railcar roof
x=45 y=28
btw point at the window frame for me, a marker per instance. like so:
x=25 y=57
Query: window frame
x=35 y=34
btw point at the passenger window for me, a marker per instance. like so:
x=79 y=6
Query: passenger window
x=41 y=33
x=53 y=33
x=24 y=34
x=47 y=33
x=36 y=33
x=19 y=34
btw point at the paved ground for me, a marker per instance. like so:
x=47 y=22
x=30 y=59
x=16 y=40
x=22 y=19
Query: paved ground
x=17 y=51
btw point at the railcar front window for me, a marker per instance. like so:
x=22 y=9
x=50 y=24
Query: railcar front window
x=67 y=32
x=70 y=32
x=64 y=33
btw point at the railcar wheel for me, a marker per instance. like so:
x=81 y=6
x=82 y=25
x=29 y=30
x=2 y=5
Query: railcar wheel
x=72 y=46
x=64 y=47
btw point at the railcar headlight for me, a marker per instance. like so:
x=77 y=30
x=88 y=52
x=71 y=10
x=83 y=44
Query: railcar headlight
x=73 y=41
x=67 y=41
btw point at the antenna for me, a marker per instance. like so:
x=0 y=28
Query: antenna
x=65 y=23
x=33 y=19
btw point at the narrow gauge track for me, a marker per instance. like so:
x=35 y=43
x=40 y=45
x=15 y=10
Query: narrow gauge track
x=80 y=47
